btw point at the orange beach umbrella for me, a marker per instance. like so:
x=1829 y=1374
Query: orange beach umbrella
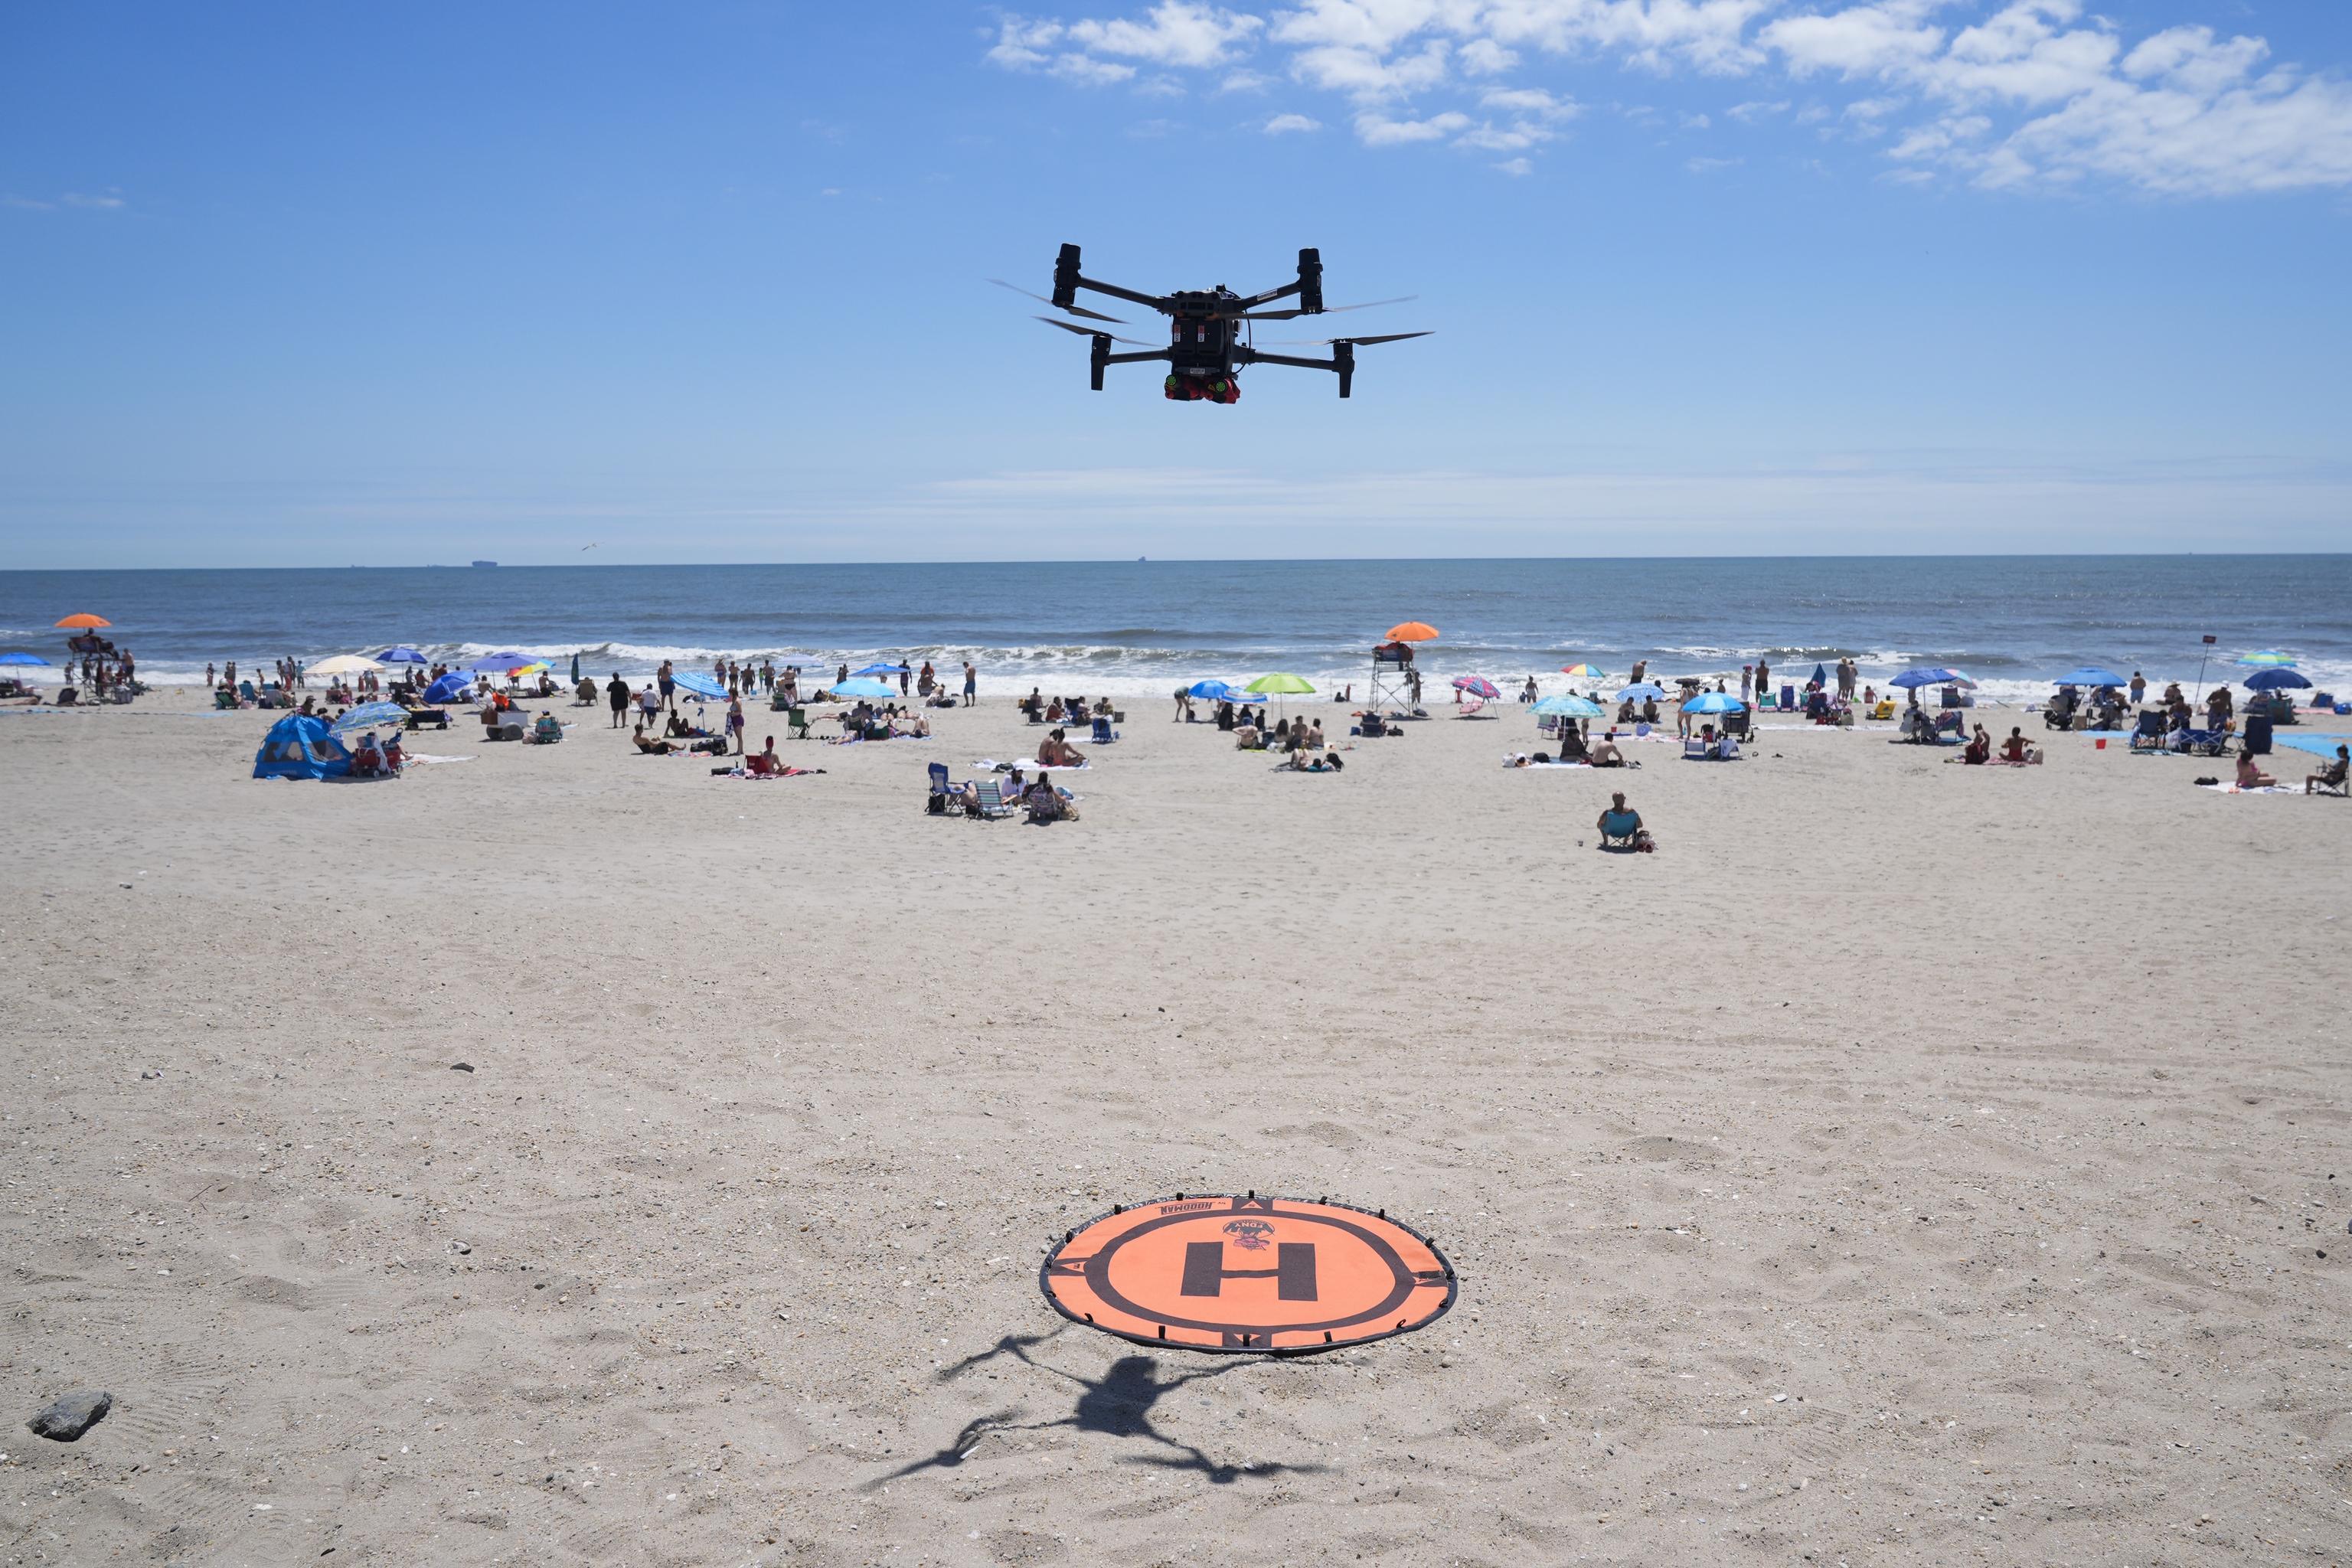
x=85 y=623
x=1413 y=631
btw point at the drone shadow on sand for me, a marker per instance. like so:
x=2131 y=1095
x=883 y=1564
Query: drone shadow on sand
x=1117 y=1404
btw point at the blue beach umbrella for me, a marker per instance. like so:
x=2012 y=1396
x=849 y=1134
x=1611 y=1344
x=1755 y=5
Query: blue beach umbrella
x=499 y=663
x=1646 y=688
x=2274 y=679
x=1715 y=702
x=700 y=685
x=401 y=655
x=2270 y=657
x=448 y=689
x=853 y=687
x=22 y=658
x=2091 y=675
x=884 y=669
x=368 y=715
x=1572 y=706
x=1212 y=692
x=1937 y=676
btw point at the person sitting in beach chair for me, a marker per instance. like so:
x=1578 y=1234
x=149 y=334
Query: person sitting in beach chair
x=546 y=730
x=2250 y=774
x=392 y=760
x=2331 y=779
x=764 y=763
x=367 y=762
x=1620 y=827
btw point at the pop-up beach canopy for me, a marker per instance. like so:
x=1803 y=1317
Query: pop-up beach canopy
x=299 y=747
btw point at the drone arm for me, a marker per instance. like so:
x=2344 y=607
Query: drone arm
x=1342 y=362
x=1310 y=286
x=1136 y=359
x=1113 y=290
x=1252 y=356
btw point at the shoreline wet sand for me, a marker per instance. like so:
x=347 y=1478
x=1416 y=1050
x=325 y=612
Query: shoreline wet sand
x=1908 y=1162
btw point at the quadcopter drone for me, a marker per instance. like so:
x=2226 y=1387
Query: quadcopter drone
x=1208 y=341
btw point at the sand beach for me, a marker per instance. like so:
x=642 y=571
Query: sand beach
x=563 y=1155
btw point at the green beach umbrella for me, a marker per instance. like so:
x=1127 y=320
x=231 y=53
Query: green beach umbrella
x=1280 y=685
x=2267 y=658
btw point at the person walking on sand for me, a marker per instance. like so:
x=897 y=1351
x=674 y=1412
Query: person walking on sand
x=617 y=694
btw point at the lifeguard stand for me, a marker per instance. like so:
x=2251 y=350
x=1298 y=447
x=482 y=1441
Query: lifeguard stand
x=1392 y=692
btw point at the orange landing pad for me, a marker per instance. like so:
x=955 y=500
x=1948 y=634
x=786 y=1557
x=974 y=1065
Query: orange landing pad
x=1248 y=1275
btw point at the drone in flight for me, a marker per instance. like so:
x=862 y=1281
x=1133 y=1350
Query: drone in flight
x=1209 y=337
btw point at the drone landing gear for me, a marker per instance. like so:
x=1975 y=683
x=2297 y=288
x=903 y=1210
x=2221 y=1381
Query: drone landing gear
x=1202 y=389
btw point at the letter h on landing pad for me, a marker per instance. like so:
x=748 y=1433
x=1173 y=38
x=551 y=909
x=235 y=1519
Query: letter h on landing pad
x=1294 y=1271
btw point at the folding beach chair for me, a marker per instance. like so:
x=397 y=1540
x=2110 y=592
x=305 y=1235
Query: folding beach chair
x=796 y=726
x=936 y=803
x=1696 y=750
x=991 y=800
x=2148 y=735
x=1104 y=734
x=1618 y=827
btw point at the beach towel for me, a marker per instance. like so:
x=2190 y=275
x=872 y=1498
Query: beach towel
x=2231 y=788
x=429 y=757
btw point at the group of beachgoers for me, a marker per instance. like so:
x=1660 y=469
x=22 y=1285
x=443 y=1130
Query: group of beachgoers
x=2334 y=778
x=1041 y=799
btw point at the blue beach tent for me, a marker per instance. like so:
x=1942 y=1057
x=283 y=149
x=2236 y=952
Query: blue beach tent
x=300 y=747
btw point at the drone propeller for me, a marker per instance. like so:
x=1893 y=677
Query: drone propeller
x=1287 y=315
x=1360 y=342
x=1089 y=332
x=1074 y=310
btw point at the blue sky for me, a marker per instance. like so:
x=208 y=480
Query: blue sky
x=310 y=285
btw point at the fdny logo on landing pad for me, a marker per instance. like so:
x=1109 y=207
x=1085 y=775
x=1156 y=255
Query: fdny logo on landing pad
x=1194 y=1274
x=1250 y=1233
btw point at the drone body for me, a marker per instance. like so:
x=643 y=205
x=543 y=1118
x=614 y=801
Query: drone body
x=1208 y=335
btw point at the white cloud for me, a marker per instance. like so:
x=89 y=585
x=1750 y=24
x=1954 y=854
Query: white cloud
x=100 y=203
x=2005 y=93
x=1281 y=122
x=1515 y=166
x=1176 y=33
x=1707 y=165
x=1377 y=131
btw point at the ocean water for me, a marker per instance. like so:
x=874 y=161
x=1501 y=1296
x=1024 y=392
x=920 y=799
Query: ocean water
x=1135 y=630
